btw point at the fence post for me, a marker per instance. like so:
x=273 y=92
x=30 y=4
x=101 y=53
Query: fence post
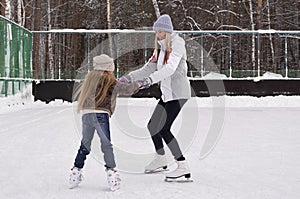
x=258 y=55
x=117 y=55
x=13 y=87
x=59 y=56
x=230 y=56
x=145 y=50
x=201 y=56
x=5 y=88
x=286 y=55
x=89 y=52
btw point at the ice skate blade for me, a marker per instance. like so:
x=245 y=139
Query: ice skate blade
x=113 y=189
x=187 y=176
x=179 y=180
x=159 y=170
x=73 y=186
x=182 y=178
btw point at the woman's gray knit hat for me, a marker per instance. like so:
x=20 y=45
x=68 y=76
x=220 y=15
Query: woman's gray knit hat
x=164 y=23
x=103 y=62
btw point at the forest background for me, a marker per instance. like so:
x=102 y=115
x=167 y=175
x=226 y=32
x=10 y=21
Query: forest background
x=68 y=51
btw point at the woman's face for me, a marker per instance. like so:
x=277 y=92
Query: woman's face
x=160 y=34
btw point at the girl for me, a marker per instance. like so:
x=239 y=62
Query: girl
x=97 y=101
x=168 y=67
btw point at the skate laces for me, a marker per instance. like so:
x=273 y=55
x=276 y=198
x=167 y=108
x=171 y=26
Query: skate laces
x=76 y=176
x=113 y=177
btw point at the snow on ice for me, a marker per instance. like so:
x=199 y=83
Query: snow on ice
x=257 y=154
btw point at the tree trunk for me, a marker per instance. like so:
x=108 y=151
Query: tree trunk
x=259 y=13
x=251 y=13
x=75 y=37
x=2 y=7
x=50 y=48
x=109 y=26
x=156 y=8
x=8 y=9
x=270 y=36
x=36 y=39
x=20 y=13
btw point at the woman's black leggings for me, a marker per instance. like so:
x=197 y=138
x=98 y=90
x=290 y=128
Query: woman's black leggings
x=160 y=126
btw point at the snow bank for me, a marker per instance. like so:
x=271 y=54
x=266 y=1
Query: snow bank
x=268 y=75
x=25 y=100
x=214 y=75
x=17 y=101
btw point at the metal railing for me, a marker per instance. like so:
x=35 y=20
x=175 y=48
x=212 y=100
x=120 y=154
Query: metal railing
x=235 y=54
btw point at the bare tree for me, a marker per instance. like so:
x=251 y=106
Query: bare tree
x=259 y=13
x=2 y=7
x=269 y=27
x=109 y=26
x=50 y=44
x=36 y=39
x=20 y=13
x=251 y=15
x=8 y=11
x=156 y=8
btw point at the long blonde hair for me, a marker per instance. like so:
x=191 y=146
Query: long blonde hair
x=94 y=88
x=168 y=47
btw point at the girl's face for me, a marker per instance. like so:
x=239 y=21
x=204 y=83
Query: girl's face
x=160 y=34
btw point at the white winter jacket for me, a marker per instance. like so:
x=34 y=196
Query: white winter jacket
x=172 y=76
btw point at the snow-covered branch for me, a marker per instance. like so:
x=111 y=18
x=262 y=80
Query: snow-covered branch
x=228 y=11
x=201 y=9
x=156 y=8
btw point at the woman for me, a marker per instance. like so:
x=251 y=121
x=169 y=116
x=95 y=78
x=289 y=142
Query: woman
x=168 y=67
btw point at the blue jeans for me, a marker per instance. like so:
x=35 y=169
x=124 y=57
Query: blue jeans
x=100 y=123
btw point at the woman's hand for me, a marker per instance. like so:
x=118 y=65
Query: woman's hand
x=145 y=83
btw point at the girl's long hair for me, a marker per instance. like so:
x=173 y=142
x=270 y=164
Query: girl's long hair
x=168 y=47
x=94 y=88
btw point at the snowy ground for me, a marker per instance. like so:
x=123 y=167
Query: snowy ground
x=257 y=155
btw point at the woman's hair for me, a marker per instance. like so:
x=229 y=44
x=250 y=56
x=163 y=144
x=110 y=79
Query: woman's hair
x=94 y=88
x=168 y=47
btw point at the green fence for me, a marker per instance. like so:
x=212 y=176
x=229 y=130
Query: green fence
x=15 y=57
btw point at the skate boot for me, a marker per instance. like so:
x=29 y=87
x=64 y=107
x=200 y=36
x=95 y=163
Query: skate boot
x=113 y=179
x=75 y=177
x=158 y=164
x=182 y=170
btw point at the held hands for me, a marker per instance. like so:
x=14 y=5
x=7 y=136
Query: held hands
x=145 y=83
x=123 y=80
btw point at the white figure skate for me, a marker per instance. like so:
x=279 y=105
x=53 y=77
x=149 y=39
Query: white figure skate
x=113 y=179
x=181 y=174
x=75 y=177
x=157 y=165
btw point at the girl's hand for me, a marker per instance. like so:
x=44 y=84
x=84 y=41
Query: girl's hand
x=123 y=80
